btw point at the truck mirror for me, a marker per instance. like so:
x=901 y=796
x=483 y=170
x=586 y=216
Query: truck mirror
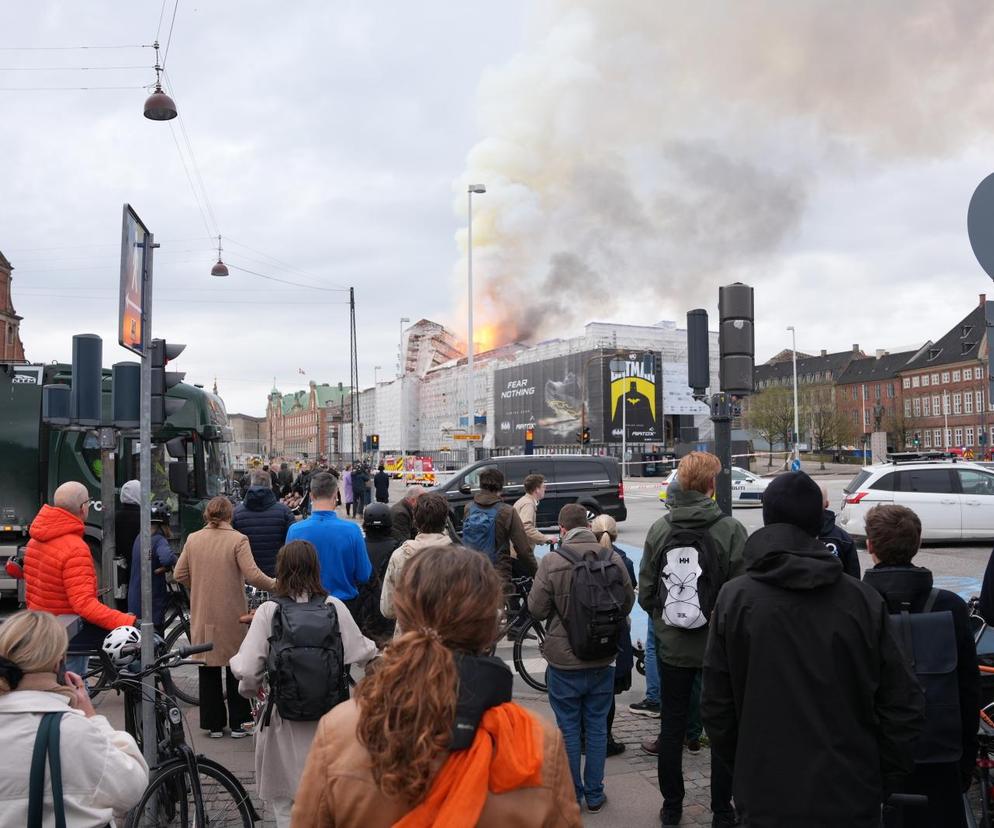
x=213 y=432
x=179 y=477
x=177 y=448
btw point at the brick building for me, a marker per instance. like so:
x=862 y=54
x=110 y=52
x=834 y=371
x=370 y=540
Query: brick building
x=869 y=382
x=297 y=424
x=11 y=349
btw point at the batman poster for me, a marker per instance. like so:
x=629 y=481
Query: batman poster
x=635 y=397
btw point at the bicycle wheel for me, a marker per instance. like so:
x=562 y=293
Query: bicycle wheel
x=184 y=682
x=528 y=659
x=169 y=798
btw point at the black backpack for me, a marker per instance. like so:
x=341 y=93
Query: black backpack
x=595 y=614
x=306 y=662
x=688 y=576
x=928 y=642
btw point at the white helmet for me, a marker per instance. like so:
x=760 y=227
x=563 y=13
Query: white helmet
x=119 y=638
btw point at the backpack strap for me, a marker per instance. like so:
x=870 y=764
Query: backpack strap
x=47 y=744
x=569 y=554
x=930 y=601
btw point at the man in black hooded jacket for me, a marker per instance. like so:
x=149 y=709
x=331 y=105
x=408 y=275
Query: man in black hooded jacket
x=893 y=535
x=263 y=520
x=806 y=694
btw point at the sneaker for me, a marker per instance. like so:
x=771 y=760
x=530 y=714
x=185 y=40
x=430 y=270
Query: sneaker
x=670 y=816
x=238 y=733
x=614 y=748
x=645 y=708
x=693 y=746
x=597 y=807
x=724 y=819
x=216 y=734
x=651 y=746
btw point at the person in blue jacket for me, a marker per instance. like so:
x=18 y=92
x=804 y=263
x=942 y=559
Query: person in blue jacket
x=163 y=559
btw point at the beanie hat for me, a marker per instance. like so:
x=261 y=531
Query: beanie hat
x=796 y=499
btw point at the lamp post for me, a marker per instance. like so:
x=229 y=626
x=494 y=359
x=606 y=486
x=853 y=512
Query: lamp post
x=400 y=376
x=793 y=333
x=471 y=421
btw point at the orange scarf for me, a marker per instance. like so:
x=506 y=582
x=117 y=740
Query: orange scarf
x=506 y=754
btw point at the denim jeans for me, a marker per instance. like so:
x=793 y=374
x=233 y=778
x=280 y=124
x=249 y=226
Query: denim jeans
x=677 y=685
x=583 y=695
x=651 y=668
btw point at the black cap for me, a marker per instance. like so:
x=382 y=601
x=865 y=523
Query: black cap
x=796 y=499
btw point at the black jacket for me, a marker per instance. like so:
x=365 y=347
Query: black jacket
x=380 y=546
x=806 y=694
x=912 y=584
x=381 y=482
x=402 y=521
x=839 y=541
x=127 y=525
x=264 y=521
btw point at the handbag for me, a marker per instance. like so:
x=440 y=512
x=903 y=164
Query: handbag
x=46 y=745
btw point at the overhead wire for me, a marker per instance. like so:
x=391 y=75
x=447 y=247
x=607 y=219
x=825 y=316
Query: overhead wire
x=66 y=88
x=169 y=38
x=68 y=68
x=286 y=282
x=70 y=48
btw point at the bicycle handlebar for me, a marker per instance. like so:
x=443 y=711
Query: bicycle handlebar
x=913 y=800
x=195 y=648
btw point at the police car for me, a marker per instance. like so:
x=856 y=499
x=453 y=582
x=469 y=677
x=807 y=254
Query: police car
x=747 y=488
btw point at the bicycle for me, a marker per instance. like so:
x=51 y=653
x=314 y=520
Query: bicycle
x=526 y=634
x=185 y=788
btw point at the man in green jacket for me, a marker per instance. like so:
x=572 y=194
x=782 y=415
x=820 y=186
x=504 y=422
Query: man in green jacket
x=679 y=620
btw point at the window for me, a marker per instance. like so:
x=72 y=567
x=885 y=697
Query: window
x=968 y=434
x=968 y=403
x=948 y=437
x=978 y=373
x=924 y=380
x=890 y=391
x=927 y=406
x=907 y=408
x=967 y=374
x=855 y=418
x=975 y=482
x=854 y=392
x=958 y=437
x=945 y=377
x=937 y=405
x=935 y=481
x=583 y=471
x=937 y=437
x=955 y=376
x=914 y=381
x=905 y=383
x=866 y=417
x=935 y=379
x=957 y=403
x=885 y=483
x=876 y=391
x=927 y=439
x=979 y=397
x=916 y=405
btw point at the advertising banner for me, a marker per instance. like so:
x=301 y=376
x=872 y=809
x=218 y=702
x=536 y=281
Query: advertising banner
x=131 y=306
x=635 y=397
x=677 y=398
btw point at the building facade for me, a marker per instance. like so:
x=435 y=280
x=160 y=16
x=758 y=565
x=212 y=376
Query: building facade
x=249 y=439
x=297 y=423
x=11 y=349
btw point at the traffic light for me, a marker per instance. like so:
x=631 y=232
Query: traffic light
x=736 y=340
x=163 y=407
x=698 y=360
x=374 y=442
x=529 y=441
x=585 y=436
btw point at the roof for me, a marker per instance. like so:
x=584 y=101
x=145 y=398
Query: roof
x=4 y=263
x=833 y=363
x=873 y=369
x=959 y=344
x=326 y=395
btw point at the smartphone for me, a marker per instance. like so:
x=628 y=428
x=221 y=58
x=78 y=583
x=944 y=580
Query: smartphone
x=60 y=672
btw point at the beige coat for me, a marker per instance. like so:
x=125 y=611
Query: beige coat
x=527 y=509
x=401 y=555
x=281 y=747
x=216 y=564
x=338 y=789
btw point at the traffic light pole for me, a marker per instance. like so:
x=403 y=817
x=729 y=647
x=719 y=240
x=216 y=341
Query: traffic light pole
x=149 y=741
x=721 y=416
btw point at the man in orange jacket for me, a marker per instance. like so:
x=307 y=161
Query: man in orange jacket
x=59 y=576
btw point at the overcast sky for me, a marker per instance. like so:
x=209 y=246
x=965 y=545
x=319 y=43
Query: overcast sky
x=637 y=155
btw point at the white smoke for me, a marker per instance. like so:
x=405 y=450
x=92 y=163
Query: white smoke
x=649 y=150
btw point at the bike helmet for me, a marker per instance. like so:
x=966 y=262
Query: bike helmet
x=377 y=516
x=160 y=512
x=119 y=638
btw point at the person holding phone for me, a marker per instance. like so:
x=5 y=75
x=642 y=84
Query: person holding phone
x=102 y=771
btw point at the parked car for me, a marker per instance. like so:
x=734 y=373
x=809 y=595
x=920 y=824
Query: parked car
x=594 y=482
x=954 y=499
x=747 y=488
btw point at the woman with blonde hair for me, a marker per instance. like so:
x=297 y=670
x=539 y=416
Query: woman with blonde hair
x=605 y=529
x=216 y=563
x=103 y=771
x=432 y=737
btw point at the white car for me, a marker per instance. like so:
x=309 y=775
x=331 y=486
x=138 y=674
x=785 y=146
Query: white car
x=953 y=499
x=747 y=488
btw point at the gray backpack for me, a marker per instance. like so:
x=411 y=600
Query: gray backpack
x=595 y=614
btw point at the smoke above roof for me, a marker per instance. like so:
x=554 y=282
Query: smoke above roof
x=645 y=152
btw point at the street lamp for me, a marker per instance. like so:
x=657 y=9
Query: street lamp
x=220 y=268
x=400 y=376
x=793 y=333
x=471 y=422
x=159 y=106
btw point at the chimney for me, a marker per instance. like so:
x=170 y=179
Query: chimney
x=824 y=352
x=983 y=299
x=855 y=348
x=881 y=352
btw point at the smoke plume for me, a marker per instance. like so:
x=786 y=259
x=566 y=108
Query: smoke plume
x=638 y=154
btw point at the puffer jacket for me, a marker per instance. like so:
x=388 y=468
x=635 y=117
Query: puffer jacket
x=58 y=571
x=550 y=596
x=264 y=521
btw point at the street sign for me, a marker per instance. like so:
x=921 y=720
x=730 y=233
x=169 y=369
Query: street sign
x=467 y=436
x=131 y=305
x=795 y=464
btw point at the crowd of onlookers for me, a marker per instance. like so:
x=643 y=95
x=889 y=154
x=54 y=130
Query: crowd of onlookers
x=806 y=680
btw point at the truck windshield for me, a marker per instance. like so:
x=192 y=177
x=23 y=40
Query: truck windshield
x=218 y=467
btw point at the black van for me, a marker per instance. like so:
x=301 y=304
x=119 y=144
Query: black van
x=594 y=482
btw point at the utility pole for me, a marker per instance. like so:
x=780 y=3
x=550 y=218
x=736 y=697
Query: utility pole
x=353 y=369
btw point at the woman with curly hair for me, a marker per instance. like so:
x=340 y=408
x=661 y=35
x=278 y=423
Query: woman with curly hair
x=432 y=737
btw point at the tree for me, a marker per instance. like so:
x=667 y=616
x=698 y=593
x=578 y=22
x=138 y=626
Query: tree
x=830 y=428
x=900 y=428
x=771 y=416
